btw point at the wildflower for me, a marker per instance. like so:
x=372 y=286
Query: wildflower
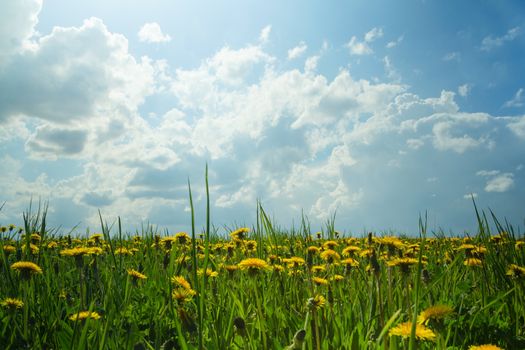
x=350 y=262
x=320 y=281
x=32 y=247
x=182 y=238
x=180 y=281
x=277 y=268
x=8 y=249
x=316 y=302
x=230 y=268
x=294 y=261
x=253 y=265
x=330 y=256
x=182 y=294
x=251 y=246
x=209 y=272
x=78 y=251
x=239 y=234
x=434 y=313
x=472 y=262
x=84 y=315
x=519 y=244
x=403 y=263
x=136 y=275
x=405 y=329
x=337 y=278
x=350 y=250
x=52 y=245
x=12 y=303
x=515 y=271
x=330 y=245
x=123 y=251
x=312 y=250
x=484 y=347
x=26 y=268
x=391 y=242
x=318 y=268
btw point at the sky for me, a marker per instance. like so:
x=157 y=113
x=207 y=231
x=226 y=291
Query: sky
x=372 y=112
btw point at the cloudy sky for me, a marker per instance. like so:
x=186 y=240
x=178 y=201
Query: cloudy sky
x=374 y=110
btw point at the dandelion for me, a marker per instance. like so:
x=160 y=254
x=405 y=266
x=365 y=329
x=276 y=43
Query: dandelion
x=294 y=261
x=472 y=262
x=8 y=249
x=515 y=271
x=330 y=245
x=239 y=234
x=12 y=303
x=405 y=329
x=26 y=268
x=182 y=295
x=403 y=263
x=136 y=275
x=350 y=250
x=320 y=281
x=337 y=278
x=253 y=265
x=484 y=347
x=180 y=281
x=330 y=256
x=435 y=312
x=318 y=268
x=209 y=273
x=84 y=315
x=123 y=251
x=182 y=238
x=316 y=302
x=313 y=250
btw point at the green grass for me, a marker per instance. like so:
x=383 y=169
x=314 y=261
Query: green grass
x=267 y=309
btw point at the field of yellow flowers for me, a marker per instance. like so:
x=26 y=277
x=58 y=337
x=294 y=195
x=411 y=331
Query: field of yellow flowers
x=260 y=288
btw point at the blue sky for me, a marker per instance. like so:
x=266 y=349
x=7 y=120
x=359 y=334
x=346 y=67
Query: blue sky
x=374 y=110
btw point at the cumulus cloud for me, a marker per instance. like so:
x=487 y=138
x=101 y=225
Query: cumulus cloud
x=517 y=126
x=265 y=34
x=297 y=50
x=490 y=42
x=373 y=34
x=464 y=90
x=357 y=47
x=17 y=22
x=500 y=183
x=517 y=101
x=151 y=33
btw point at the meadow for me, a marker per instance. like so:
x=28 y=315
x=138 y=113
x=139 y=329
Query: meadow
x=260 y=288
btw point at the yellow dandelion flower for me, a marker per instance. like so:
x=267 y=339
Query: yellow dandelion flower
x=515 y=271
x=350 y=262
x=209 y=272
x=484 y=347
x=239 y=234
x=52 y=245
x=312 y=250
x=182 y=238
x=330 y=256
x=391 y=242
x=12 y=303
x=78 y=251
x=84 y=315
x=472 y=262
x=181 y=282
x=123 y=251
x=253 y=264
x=350 y=250
x=136 y=275
x=316 y=302
x=278 y=268
x=435 y=312
x=330 y=245
x=26 y=267
x=405 y=329
x=8 y=249
x=402 y=262
x=337 y=278
x=294 y=261
x=320 y=281
x=182 y=294
x=318 y=268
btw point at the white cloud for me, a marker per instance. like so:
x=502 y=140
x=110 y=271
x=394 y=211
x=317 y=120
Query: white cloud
x=151 y=33
x=517 y=101
x=394 y=43
x=415 y=143
x=452 y=56
x=464 y=90
x=487 y=172
x=489 y=42
x=358 y=47
x=469 y=196
x=310 y=64
x=297 y=51
x=390 y=70
x=17 y=22
x=265 y=34
x=374 y=34
x=517 y=126
x=500 y=183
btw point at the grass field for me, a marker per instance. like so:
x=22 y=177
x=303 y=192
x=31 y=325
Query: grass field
x=260 y=288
